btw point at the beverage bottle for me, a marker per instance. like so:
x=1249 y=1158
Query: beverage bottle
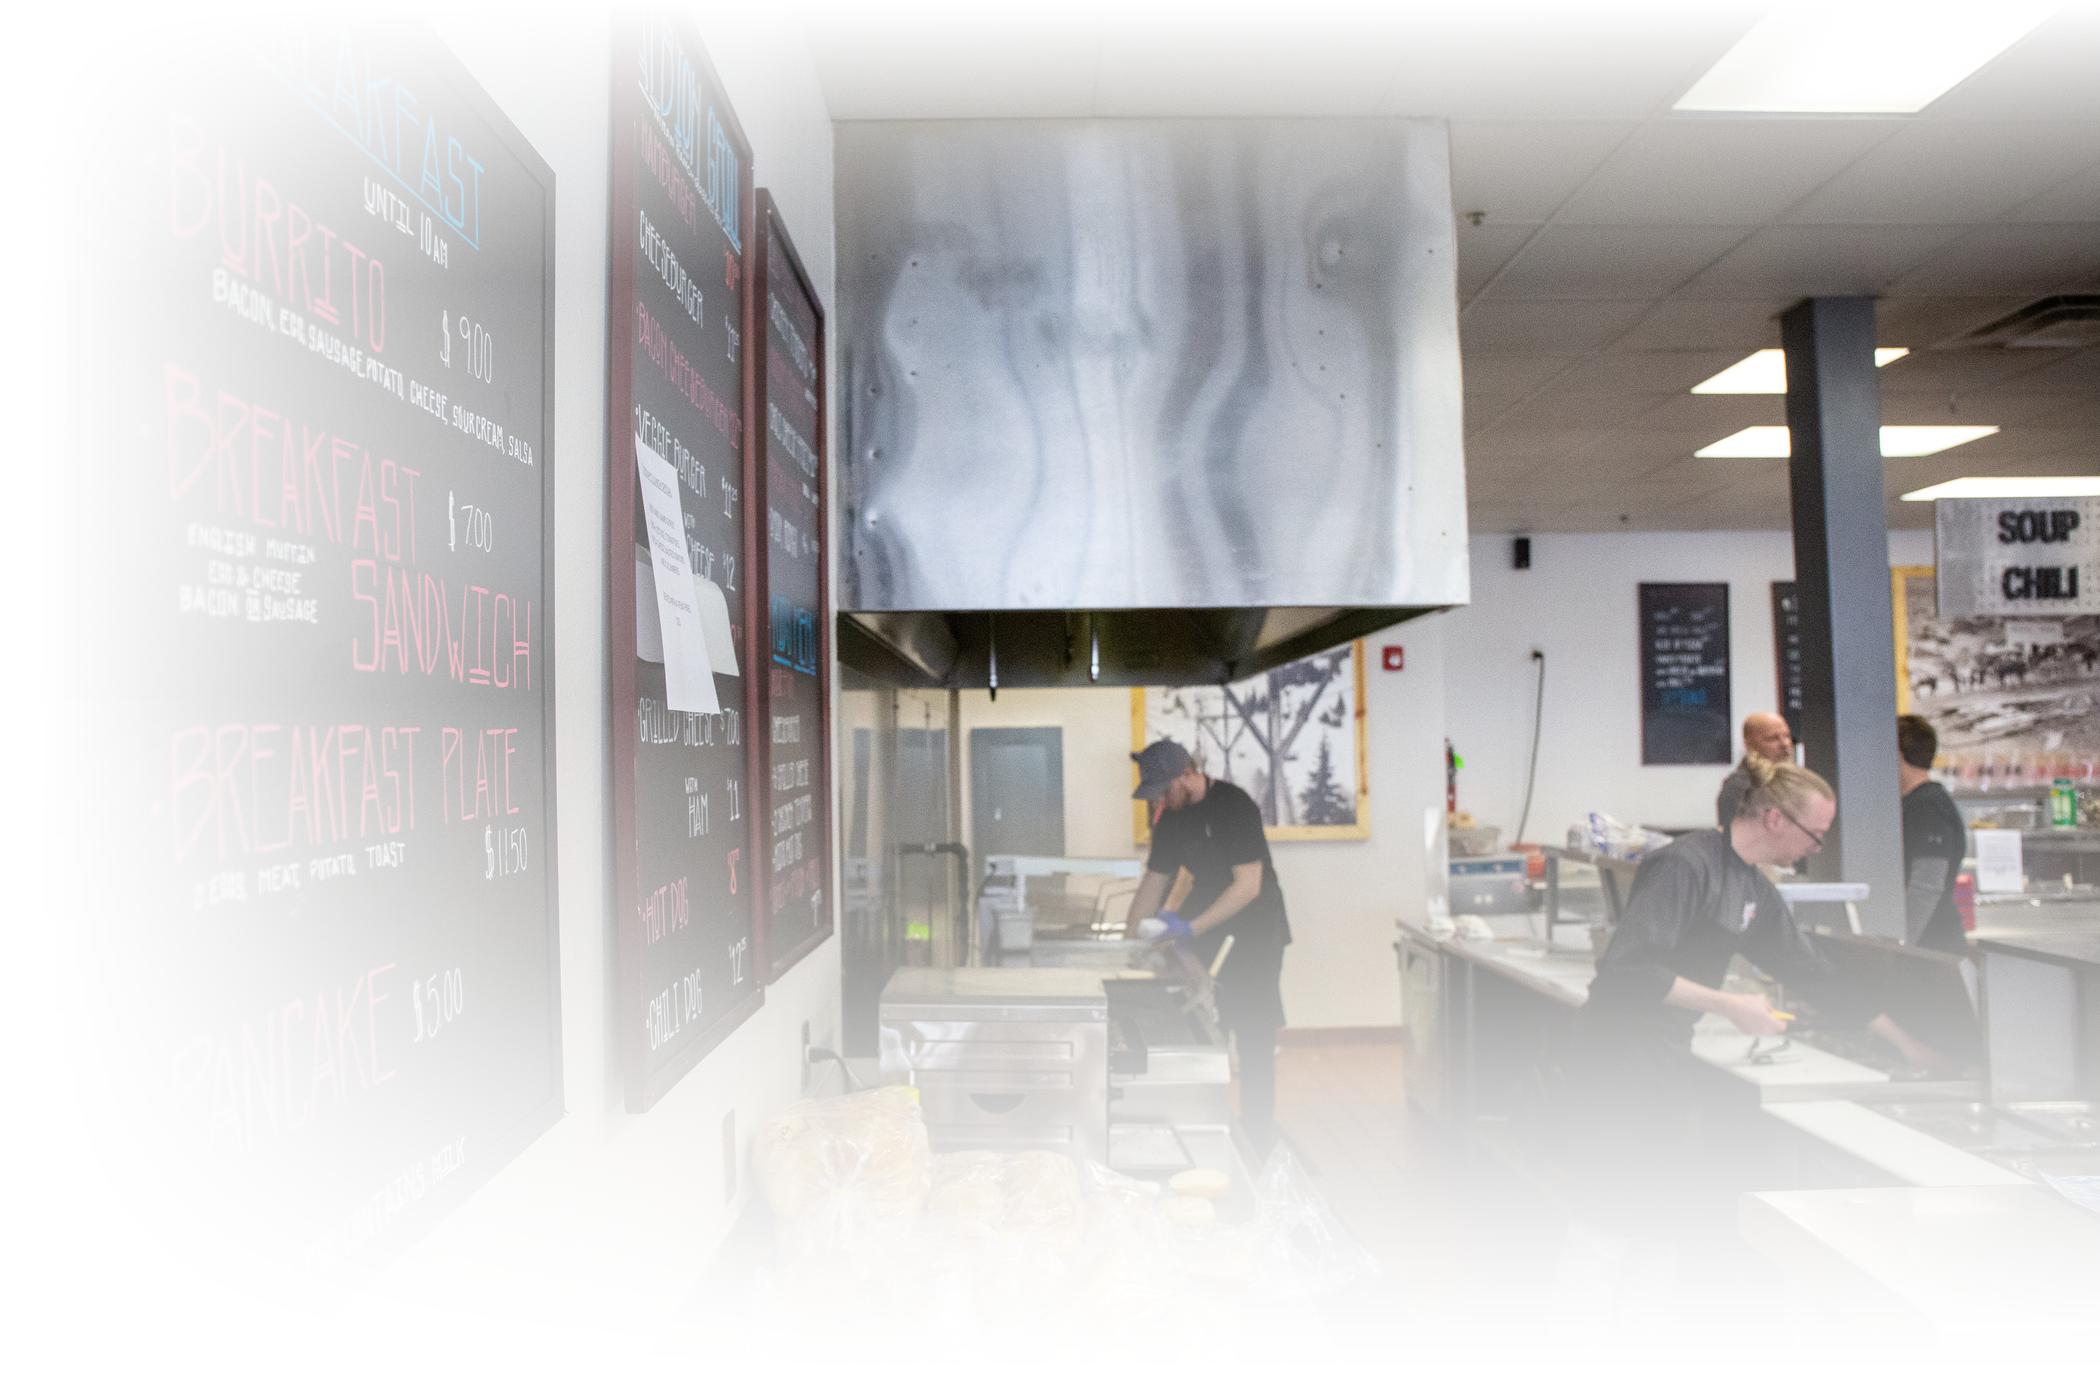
x=2063 y=803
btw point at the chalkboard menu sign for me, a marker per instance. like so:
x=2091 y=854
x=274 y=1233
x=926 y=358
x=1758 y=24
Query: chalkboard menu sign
x=794 y=747
x=1786 y=645
x=1684 y=672
x=683 y=607
x=320 y=436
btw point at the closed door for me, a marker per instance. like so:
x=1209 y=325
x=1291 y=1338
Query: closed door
x=1017 y=791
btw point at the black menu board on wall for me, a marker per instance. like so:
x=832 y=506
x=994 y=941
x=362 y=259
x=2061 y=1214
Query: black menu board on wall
x=1684 y=672
x=685 y=844
x=794 y=747
x=1786 y=647
x=319 y=448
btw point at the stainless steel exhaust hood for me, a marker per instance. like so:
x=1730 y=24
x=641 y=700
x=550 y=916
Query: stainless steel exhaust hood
x=1143 y=402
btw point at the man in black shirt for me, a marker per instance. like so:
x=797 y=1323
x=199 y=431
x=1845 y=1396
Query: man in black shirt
x=1765 y=735
x=1935 y=840
x=1213 y=830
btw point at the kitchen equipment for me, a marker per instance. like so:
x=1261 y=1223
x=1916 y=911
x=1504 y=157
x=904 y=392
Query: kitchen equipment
x=1095 y=308
x=1003 y=1057
x=1492 y=884
x=1475 y=840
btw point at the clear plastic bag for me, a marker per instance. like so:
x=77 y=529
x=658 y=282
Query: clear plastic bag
x=840 y=1173
x=1614 y=838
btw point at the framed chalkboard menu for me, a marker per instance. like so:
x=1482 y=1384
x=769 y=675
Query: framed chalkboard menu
x=794 y=745
x=1684 y=673
x=683 y=604
x=1786 y=647
x=318 y=557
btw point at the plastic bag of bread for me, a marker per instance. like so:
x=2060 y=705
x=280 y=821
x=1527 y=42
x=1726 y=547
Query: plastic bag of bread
x=1029 y=1193
x=833 y=1167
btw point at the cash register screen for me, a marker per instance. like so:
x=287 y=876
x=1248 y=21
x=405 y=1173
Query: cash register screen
x=2031 y=1022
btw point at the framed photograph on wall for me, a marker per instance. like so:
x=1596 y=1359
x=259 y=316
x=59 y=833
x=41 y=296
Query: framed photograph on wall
x=2015 y=700
x=1293 y=737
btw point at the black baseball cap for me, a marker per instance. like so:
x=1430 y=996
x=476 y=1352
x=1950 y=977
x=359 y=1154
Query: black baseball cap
x=1159 y=763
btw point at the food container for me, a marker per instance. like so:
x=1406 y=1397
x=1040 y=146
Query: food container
x=1475 y=840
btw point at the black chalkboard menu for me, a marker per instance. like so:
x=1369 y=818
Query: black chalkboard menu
x=1786 y=647
x=684 y=845
x=1684 y=672
x=794 y=745
x=323 y=966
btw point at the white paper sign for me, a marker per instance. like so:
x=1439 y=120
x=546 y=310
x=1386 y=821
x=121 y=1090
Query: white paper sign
x=1998 y=869
x=2024 y=557
x=689 y=681
x=714 y=625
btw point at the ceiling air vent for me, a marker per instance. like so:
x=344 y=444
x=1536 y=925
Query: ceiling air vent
x=2069 y=322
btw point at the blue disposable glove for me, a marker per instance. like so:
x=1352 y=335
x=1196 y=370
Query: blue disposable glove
x=1177 y=928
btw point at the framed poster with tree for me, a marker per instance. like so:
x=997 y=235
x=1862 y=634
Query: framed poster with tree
x=1293 y=737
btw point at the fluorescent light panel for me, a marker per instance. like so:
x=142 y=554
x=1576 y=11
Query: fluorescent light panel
x=1764 y=372
x=1861 y=56
x=2008 y=487
x=1897 y=440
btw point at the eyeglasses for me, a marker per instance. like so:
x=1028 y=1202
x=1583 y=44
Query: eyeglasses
x=1815 y=836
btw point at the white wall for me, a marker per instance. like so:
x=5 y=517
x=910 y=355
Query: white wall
x=1342 y=895
x=1577 y=603
x=613 y=1215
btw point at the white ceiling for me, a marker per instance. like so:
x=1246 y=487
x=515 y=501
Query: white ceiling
x=1624 y=251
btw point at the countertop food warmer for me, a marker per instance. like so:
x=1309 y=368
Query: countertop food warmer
x=1125 y=1066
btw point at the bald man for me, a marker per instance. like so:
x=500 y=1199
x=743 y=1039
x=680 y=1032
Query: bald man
x=1767 y=736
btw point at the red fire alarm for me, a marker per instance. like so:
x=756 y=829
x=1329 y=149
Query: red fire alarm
x=1396 y=658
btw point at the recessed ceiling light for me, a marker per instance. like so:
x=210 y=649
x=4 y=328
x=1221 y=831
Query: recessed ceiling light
x=2009 y=487
x=1897 y=440
x=1927 y=439
x=1879 y=57
x=1764 y=372
x=1751 y=442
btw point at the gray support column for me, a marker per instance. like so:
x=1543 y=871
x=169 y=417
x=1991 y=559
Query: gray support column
x=1841 y=566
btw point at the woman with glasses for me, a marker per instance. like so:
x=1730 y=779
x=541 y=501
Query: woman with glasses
x=1695 y=905
x=1652 y=1127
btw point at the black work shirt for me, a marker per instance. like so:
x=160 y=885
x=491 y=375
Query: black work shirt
x=1934 y=830
x=1208 y=838
x=1695 y=904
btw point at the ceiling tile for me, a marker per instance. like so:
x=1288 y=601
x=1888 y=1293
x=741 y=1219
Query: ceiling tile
x=1919 y=323
x=1629 y=452
x=2075 y=200
x=1939 y=371
x=1532 y=442
x=1713 y=416
x=1526 y=170
x=1548 y=327
x=1823 y=261
x=906 y=75
x=1153 y=68
x=1591 y=410
x=1589 y=261
x=1952 y=172
x=1991 y=405
x=2074 y=375
x=1645 y=371
x=1485 y=63
x=1483 y=250
x=1687 y=169
x=2012 y=259
x=1495 y=373
x=2071 y=411
x=1692 y=323
x=2048 y=74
